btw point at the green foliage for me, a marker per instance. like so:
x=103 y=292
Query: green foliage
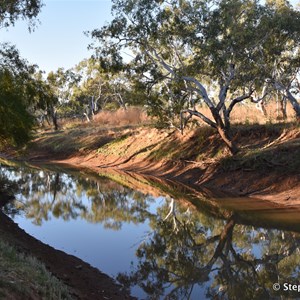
x=111 y=106
x=14 y=279
x=12 y=10
x=15 y=121
x=188 y=53
x=101 y=85
x=18 y=90
x=23 y=94
x=21 y=90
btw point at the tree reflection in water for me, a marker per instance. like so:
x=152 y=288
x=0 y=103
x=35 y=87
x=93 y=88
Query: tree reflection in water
x=185 y=251
x=42 y=194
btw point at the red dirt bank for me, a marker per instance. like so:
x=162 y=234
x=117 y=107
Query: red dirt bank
x=267 y=167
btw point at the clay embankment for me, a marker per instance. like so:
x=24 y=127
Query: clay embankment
x=267 y=166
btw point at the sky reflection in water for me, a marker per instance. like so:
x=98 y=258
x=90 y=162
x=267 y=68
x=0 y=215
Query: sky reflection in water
x=158 y=247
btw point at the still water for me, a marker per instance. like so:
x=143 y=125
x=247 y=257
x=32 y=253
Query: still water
x=159 y=240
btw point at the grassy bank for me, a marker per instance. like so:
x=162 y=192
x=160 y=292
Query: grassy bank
x=269 y=150
x=267 y=167
x=24 y=277
x=272 y=145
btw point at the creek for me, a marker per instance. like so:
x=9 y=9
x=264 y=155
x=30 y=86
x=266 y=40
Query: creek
x=160 y=239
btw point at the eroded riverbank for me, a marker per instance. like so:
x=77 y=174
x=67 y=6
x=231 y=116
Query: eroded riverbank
x=162 y=162
x=267 y=166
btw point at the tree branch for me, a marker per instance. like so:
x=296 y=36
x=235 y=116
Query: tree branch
x=237 y=100
x=201 y=89
x=201 y=116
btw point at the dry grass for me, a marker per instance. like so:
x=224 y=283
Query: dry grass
x=241 y=114
x=245 y=113
x=24 y=277
x=122 y=117
x=250 y=114
x=133 y=116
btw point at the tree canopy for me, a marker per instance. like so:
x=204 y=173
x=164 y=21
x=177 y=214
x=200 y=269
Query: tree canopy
x=194 y=53
x=12 y=10
x=18 y=90
x=16 y=95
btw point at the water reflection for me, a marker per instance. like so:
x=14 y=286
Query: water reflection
x=41 y=194
x=187 y=253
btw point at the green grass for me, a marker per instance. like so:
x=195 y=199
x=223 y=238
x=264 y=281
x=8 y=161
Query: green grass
x=166 y=150
x=24 y=277
x=115 y=143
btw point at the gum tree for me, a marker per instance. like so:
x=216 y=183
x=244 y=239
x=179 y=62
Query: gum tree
x=197 y=49
x=98 y=86
x=284 y=48
x=17 y=87
x=60 y=86
x=16 y=95
x=12 y=10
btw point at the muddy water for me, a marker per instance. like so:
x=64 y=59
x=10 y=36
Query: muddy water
x=160 y=239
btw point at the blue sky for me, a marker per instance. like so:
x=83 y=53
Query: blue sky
x=59 y=40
